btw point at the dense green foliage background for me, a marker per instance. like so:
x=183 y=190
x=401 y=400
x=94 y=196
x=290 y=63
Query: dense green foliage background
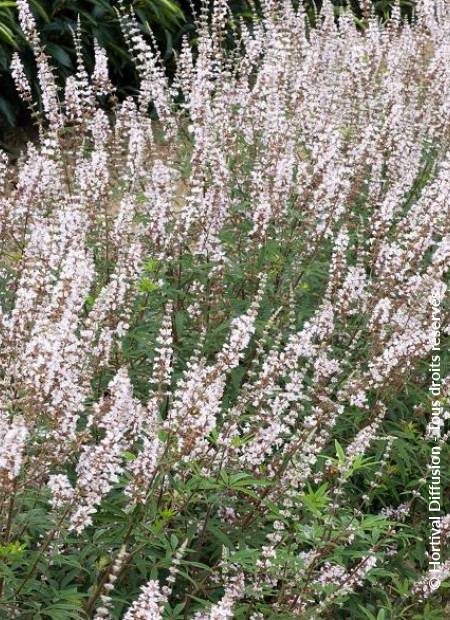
x=58 y=18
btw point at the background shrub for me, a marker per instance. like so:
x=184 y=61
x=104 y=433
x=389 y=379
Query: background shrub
x=58 y=19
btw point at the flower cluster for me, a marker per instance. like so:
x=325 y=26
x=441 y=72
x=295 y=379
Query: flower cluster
x=215 y=321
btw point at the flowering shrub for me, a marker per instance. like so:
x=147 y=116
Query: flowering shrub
x=216 y=327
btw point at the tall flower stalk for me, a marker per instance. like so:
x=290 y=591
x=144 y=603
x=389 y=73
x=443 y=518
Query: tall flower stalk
x=215 y=322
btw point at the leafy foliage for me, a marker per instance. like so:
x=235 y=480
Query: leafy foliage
x=58 y=20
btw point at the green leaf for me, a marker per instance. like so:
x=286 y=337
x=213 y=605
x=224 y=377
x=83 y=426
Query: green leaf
x=12 y=550
x=219 y=535
x=151 y=265
x=367 y=613
x=148 y=286
x=8 y=111
x=339 y=452
x=39 y=8
x=128 y=456
x=7 y=36
x=60 y=55
x=316 y=500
